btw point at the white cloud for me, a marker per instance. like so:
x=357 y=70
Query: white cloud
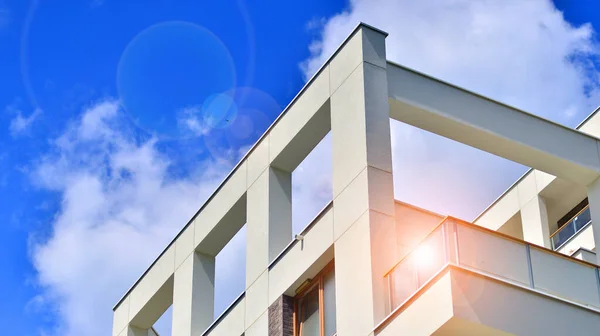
x=523 y=53
x=119 y=207
x=21 y=124
x=190 y=121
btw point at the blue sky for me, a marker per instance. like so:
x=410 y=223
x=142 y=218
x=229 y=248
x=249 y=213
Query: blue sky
x=108 y=107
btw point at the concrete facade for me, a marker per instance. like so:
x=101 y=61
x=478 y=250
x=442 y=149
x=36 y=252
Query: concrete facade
x=369 y=235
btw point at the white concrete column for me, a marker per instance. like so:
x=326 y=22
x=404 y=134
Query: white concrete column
x=534 y=219
x=193 y=295
x=593 y=191
x=363 y=205
x=268 y=232
x=268 y=220
x=280 y=211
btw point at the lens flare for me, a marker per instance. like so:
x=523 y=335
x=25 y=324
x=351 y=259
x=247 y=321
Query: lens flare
x=219 y=111
x=423 y=255
x=170 y=69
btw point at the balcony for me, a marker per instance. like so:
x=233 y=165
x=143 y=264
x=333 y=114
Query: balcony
x=566 y=232
x=465 y=279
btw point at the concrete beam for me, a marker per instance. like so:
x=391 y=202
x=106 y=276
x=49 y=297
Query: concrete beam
x=306 y=123
x=226 y=227
x=223 y=215
x=160 y=300
x=479 y=122
x=303 y=259
x=154 y=293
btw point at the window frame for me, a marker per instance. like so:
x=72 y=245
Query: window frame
x=318 y=282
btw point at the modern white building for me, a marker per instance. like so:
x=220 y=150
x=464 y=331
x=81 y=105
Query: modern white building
x=371 y=265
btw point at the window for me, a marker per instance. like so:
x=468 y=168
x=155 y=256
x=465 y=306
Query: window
x=572 y=227
x=314 y=313
x=577 y=209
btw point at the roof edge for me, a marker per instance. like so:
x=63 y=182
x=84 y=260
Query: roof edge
x=234 y=169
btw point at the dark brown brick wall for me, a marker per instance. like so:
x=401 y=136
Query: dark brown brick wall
x=281 y=315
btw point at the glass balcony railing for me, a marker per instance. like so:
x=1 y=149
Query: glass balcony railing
x=571 y=228
x=462 y=245
x=417 y=268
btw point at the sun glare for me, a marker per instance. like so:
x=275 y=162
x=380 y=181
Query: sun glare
x=423 y=255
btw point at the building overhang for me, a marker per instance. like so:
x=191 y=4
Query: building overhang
x=480 y=122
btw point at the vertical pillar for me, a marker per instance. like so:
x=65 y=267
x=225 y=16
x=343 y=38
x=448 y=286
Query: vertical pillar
x=534 y=219
x=269 y=230
x=364 y=228
x=268 y=220
x=280 y=211
x=593 y=191
x=193 y=295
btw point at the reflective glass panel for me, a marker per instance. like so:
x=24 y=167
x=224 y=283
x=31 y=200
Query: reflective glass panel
x=309 y=314
x=329 y=303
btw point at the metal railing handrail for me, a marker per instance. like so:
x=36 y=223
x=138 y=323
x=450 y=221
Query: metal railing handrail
x=573 y=236
x=570 y=220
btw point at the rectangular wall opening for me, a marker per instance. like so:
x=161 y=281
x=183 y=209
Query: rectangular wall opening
x=162 y=326
x=446 y=176
x=230 y=272
x=312 y=185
